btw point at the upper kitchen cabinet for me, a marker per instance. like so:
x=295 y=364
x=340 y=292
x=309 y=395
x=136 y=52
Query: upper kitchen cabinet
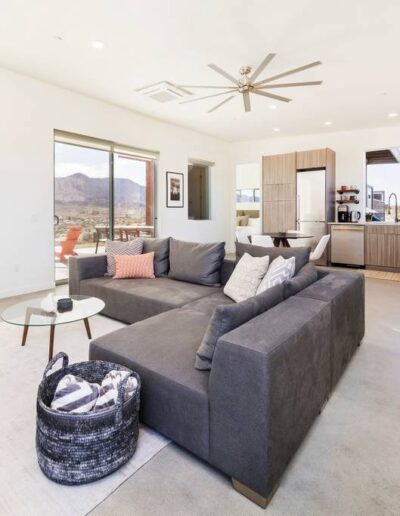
x=279 y=169
x=319 y=158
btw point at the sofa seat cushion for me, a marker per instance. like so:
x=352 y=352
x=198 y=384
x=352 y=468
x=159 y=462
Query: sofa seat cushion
x=174 y=396
x=207 y=305
x=132 y=300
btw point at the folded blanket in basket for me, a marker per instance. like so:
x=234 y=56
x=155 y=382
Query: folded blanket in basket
x=77 y=396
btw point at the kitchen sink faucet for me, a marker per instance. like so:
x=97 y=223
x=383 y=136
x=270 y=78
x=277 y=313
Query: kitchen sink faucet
x=396 y=219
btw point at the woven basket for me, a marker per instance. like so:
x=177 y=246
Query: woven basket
x=79 y=448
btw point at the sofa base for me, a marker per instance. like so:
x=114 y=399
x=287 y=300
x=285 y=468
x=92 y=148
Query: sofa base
x=252 y=495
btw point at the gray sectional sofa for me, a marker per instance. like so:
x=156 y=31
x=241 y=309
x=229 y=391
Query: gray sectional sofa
x=269 y=378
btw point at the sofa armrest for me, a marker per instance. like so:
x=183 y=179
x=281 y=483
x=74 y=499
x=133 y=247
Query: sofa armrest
x=226 y=270
x=269 y=380
x=84 y=267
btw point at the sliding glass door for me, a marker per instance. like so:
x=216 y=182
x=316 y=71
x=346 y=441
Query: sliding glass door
x=99 y=193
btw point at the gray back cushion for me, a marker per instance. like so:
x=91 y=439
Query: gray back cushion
x=228 y=317
x=302 y=254
x=196 y=263
x=304 y=278
x=160 y=247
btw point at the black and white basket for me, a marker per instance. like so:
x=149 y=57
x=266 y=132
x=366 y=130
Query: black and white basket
x=79 y=448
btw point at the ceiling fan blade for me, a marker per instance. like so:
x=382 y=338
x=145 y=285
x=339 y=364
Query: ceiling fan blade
x=291 y=84
x=206 y=97
x=220 y=104
x=271 y=95
x=246 y=101
x=223 y=73
x=262 y=66
x=284 y=74
x=213 y=87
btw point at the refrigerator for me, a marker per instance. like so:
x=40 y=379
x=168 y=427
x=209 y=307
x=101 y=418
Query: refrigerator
x=311 y=206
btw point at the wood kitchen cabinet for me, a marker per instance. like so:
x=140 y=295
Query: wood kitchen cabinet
x=382 y=246
x=279 y=192
x=307 y=160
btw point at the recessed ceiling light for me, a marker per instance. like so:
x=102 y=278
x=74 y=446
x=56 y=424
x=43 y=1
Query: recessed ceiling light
x=276 y=129
x=272 y=106
x=97 y=44
x=59 y=38
x=328 y=122
x=392 y=115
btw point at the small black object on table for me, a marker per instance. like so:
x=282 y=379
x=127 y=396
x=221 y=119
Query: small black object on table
x=282 y=238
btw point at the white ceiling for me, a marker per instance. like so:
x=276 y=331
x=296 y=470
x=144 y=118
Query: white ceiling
x=148 y=41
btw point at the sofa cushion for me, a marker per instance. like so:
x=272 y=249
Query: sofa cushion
x=229 y=316
x=207 y=305
x=160 y=246
x=133 y=300
x=246 y=277
x=302 y=254
x=306 y=276
x=278 y=272
x=138 y=266
x=174 y=399
x=114 y=247
x=197 y=263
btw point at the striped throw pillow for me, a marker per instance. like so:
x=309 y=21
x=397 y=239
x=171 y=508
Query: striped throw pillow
x=109 y=389
x=279 y=271
x=140 y=266
x=75 y=395
x=114 y=247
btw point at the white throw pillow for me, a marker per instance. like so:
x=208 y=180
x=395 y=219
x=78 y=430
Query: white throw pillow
x=279 y=271
x=246 y=277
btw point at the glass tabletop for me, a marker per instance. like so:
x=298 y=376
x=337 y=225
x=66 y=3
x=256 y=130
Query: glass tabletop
x=30 y=313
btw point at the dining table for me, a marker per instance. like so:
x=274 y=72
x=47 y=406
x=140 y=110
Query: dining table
x=282 y=238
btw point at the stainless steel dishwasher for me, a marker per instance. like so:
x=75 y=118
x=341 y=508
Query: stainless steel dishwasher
x=347 y=244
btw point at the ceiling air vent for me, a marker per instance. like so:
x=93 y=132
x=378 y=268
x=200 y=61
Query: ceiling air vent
x=163 y=91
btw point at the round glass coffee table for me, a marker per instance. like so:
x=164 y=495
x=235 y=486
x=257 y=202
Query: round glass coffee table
x=30 y=313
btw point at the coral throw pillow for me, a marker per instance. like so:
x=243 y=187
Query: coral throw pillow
x=136 y=266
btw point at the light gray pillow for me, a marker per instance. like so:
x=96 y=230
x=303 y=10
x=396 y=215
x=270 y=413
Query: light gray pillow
x=228 y=317
x=279 y=271
x=115 y=247
x=196 y=263
x=246 y=277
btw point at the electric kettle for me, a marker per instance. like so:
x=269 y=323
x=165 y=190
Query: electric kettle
x=355 y=216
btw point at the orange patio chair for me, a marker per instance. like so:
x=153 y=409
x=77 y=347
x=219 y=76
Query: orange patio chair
x=68 y=245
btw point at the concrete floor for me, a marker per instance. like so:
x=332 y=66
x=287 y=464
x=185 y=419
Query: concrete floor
x=349 y=464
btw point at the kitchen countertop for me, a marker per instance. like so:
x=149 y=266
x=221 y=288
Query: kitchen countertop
x=365 y=223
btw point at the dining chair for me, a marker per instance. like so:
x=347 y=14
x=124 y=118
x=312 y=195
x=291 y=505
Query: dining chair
x=262 y=240
x=69 y=243
x=243 y=235
x=320 y=249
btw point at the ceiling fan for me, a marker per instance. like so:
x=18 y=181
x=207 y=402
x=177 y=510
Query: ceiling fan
x=246 y=84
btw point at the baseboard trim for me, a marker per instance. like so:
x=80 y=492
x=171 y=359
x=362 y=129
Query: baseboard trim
x=31 y=289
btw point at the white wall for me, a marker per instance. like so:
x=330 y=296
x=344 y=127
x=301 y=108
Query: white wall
x=29 y=112
x=350 y=148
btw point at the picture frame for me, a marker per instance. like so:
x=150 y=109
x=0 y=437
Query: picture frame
x=175 y=189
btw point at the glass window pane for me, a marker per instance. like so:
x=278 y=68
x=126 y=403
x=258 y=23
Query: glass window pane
x=81 y=190
x=133 y=197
